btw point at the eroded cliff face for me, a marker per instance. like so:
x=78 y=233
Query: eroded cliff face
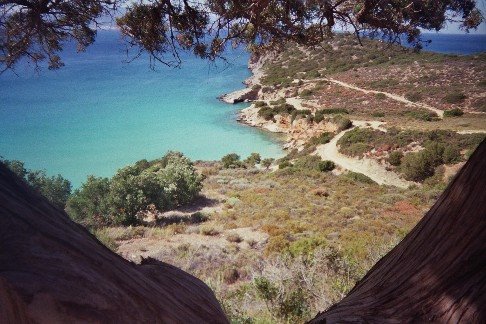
x=53 y=270
x=437 y=273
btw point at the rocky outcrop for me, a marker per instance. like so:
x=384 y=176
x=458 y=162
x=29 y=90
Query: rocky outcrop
x=437 y=273
x=252 y=89
x=53 y=270
x=243 y=95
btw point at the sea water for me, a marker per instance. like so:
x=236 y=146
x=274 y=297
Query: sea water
x=100 y=113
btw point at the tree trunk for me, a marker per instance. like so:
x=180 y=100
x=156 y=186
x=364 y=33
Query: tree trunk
x=52 y=270
x=438 y=272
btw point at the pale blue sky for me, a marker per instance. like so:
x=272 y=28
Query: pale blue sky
x=454 y=28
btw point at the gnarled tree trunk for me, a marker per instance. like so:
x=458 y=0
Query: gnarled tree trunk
x=54 y=271
x=438 y=272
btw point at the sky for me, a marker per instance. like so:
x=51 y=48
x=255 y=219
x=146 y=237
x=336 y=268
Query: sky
x=453 y=28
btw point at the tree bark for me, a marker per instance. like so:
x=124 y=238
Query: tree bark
x=438 y=272
x=53 y=270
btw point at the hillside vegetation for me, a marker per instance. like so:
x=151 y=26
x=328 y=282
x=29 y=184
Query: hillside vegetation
x=280 y=240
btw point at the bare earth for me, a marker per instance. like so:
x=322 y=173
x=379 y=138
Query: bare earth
x=368 y=167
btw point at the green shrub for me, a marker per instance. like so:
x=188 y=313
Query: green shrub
x=455 y=97
x=164 y=184
x=284 y=108
x=323 y=138
x=284 y=164
x=422 y=114
x=318 y=117
x=417 y=166
x=308 y=162
x=342 y=123
x=451 y=154
x=330 y=111
x=260 y=104
x=359 y=177
x=306 y=93
x=413 y=96
x=380 y=96
x=306 y=246
x=267 y=162
x=455 y=112
x=378 y=114
x=303 y=113
x=266 y=113
x=395 y=158
x=55 y=188
x=325 y=166
x=231 y=161
x=280 y=101
x=253 y=159
x=90 y=203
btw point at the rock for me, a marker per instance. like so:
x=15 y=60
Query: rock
x=243 y=95
x=53 y=270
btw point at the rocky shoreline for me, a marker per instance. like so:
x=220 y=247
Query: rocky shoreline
x=298 y=131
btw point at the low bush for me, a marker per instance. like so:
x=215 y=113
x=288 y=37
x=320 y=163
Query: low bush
x=284 y=164
x=318 y=117
x=451 y=154
x=279 y=101
x=253 y=159
x=395 y=158
x=267 y=162
x=306 y=93
x=455 y=97
x=302 y=113
x=55 y=188
x=325 y=166
x=357 y=149
x=378 y=114
x=342 y=123
x=417 y=166
x=422 y=114
x=329 y=111
x=455 y=112
x=359 y=177
x=413 y=96
x=323 y=138
x=308 y=162
x=162 y=184
x=380 y=96
x=231 y=161
x=260 y=104
x=266 y=113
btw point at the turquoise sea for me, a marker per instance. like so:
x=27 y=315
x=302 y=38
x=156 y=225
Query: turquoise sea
x=99 y=113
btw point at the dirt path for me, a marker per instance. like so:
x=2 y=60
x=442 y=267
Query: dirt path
x=439 y=112
x=368 y=167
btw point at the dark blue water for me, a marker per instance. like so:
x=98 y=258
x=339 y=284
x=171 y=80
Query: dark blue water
x=455 y=43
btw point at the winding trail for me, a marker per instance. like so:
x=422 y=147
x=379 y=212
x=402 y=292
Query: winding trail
x=395 y=97
x=368 y=167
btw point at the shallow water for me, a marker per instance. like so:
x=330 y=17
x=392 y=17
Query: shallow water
x=98 y=114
